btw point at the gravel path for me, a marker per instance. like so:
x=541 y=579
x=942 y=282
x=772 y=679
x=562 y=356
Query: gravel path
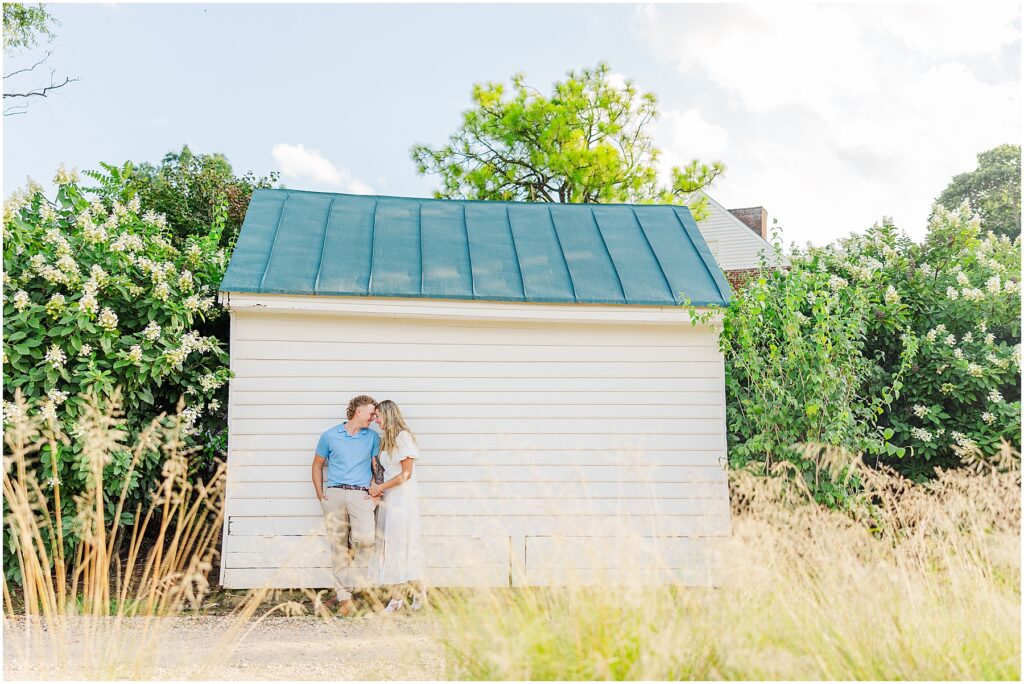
x=375 y=647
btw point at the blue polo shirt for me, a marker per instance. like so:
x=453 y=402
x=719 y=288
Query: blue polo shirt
x=348 y=456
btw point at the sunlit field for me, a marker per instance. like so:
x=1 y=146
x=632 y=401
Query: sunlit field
x=917 y=582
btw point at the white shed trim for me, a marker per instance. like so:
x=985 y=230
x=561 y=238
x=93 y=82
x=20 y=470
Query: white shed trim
x=460 y=309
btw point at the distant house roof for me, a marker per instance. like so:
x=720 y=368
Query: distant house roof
x=313 y=243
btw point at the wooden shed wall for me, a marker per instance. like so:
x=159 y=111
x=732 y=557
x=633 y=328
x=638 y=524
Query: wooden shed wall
x=551 y=451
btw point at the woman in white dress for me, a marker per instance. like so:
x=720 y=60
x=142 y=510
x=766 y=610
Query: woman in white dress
x=397 y=556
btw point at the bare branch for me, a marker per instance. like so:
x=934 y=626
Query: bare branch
x=44 y=91
x=31 y=68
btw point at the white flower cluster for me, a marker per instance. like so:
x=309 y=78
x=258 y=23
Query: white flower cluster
x=865 y=270
x=88 y=302
x=162 y=291
x=988 y=418
x=921 y=434
x=108 y=319
x=135 y=354
x=11 y=411
x=951 y=340
x=134 y=205
x=152 y=331
x=213 y=406
x=962 y=279
x=968 y=337
x=190 y=415
x=952 y=293
x=210 y=382
x=185 y=281
x=974 y=370
x=920 y=411
x=837 y=283
x=994 y=285
x=55 y=356
x=126 y=242
x=891 y=295
x=963 y=440
x=972 y=294
x=65 y=177
x=959 y=353
x=940 y=329
x=995 y=396
x=55 y=306
x=85 y=350
x=46 y=212
x=155 y=219
x=21 y=300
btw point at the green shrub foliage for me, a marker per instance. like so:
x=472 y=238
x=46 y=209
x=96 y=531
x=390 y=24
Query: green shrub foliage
x=98 y=296
x=908 y=353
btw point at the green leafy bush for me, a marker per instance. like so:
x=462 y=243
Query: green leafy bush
x=908 y=353
x=97 y=296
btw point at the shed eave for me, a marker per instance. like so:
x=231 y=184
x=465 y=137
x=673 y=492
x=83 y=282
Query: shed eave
x=410 y=307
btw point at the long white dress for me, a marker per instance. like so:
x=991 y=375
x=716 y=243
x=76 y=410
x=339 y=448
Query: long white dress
x=397 y=554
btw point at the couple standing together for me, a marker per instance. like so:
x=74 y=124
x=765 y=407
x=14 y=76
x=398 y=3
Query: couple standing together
x=370 y=504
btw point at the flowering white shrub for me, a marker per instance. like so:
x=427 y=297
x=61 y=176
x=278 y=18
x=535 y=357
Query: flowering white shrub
x=907 y=352
x=95 y=298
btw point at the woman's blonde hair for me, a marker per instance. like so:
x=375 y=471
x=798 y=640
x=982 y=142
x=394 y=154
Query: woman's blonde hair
x=392 y=423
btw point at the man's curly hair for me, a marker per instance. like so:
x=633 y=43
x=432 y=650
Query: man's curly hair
x=356 y=402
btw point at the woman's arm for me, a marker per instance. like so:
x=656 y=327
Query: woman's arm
x=397 y=480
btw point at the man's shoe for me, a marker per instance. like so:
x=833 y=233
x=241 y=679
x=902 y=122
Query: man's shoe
x=332 y=604
x=418 y=602
x=347 y=609
x=394 y=606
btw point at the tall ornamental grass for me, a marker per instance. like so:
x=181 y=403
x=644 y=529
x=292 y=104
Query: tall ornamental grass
x=113 y=601
x=917 y=581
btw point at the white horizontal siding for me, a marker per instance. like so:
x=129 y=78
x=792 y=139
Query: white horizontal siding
x=486 y=458
x=502 y=473
x=526 y=431
x=733 y=243
x=509 y=525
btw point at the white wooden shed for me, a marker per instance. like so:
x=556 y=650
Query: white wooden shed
x=571 y=418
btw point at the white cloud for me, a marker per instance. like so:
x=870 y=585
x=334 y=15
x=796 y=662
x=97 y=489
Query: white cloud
x=318 y=172
x=837 y=115
x=951 y=29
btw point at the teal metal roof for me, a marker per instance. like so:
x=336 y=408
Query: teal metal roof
x=314 y=243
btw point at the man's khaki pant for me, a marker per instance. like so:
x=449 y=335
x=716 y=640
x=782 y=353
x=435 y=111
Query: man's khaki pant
x=348 y=516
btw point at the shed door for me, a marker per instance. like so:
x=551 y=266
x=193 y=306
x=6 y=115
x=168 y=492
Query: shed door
x=550 y=452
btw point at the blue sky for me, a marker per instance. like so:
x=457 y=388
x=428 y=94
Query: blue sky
x=830 y=116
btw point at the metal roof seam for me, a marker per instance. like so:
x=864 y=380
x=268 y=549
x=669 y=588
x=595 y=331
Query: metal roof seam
x=515 y=251
x=273 y=243
x=611 y=259
x=323 y=243
x=703 y=257
x=469 y=253
x=419 y=241
x=657 y=259
x=561 y=250
x=373 y=238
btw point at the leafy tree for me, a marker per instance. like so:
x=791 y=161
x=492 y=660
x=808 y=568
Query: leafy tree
x=25 y=24
x=992 y=190
x=188 y=188
x=586 y=142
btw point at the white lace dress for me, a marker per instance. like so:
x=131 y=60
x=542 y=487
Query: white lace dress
x=397 y=554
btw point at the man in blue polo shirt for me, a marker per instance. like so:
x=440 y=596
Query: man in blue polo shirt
x=348 y=450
